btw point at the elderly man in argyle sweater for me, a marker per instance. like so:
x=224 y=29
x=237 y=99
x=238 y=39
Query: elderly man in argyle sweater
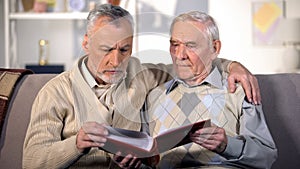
x=239 y=136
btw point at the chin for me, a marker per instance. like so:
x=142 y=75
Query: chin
x=185 y=76
x=113 y=79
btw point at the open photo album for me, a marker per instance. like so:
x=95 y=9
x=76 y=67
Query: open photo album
x=142 y=145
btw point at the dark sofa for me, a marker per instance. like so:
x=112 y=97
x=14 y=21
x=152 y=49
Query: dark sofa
x=281 y=104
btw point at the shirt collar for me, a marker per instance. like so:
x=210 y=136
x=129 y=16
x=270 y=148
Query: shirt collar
x=87 y=75
x=214 y=78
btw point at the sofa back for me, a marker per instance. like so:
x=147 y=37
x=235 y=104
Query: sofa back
x=281 y=105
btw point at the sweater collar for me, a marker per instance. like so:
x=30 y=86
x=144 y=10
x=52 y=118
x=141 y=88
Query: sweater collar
x=214 y=78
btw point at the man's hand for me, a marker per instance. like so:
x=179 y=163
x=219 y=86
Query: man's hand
x=128 y=161
x=238 y=73
x=213 y=138
x=91 y=134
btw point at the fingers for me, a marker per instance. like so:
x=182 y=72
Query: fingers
x=255 y=90
x=95 y=128
x=238 y=73
x=135 y=163
x=99 y=141
x=212 y=138
x=211 y=144
x=91 y=134
x=129 y=161
x=208 y=132
x=125 y=162
x=83 y=142
x=214 y=145
x=231 y=84
x=251 y=88
x=246 y=84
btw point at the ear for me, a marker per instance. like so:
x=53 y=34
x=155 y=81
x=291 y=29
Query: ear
x=85 y=44
x=216 y=48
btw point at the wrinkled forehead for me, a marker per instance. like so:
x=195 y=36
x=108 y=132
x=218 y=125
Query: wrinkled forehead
x=188 y=30
x=106 y=29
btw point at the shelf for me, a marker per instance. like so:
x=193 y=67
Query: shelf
x=45 y=68
x=54 y=16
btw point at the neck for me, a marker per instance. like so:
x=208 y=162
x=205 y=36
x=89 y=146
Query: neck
x=100 y=81
x=196 y=80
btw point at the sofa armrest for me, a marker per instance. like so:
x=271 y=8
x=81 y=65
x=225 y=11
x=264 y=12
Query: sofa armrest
x=17 y=119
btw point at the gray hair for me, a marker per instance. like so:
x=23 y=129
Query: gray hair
x=212 y=30
x=111 y=11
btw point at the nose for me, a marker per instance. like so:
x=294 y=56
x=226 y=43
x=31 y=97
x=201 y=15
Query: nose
x=180 y=52
x=115 y=58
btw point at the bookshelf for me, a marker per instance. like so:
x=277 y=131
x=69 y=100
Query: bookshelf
x=12 y=17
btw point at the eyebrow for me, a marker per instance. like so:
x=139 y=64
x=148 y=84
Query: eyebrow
x=112 y=47
x=190 y=43
x=185 y=43
x=126 y=46
x=106 y=46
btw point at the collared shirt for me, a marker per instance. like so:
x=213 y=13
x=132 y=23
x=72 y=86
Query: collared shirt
x=214 y=78
x=99 y=89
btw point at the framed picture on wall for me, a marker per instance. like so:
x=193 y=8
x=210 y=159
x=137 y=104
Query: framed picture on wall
x=267 y=22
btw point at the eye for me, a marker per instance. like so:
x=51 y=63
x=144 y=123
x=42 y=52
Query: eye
x=191 y=45
x=124 y=50
x=106 y=49
x=174 y=43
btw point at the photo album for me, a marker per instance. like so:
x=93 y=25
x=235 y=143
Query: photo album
x=142 y=145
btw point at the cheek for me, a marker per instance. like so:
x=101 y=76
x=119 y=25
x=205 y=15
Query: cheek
x=124 y=59
x=199 y=60
x=103 y=62
x=97 y=61
x=173 y=57
x=204 y=55
x=172 y=49
x=97 y=56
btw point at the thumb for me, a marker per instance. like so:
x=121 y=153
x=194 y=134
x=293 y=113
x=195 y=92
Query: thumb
x=231 y=84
